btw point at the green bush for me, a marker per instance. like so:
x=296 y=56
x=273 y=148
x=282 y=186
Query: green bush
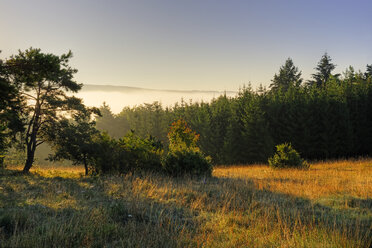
x=287 y=157
x=128 y=154
x=181 y=137
x=104 y=154
x=137 y=154
x=134 y=154
x=184 y=156
x=190 y=162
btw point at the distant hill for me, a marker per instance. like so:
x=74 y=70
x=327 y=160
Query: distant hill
x=128 y=89
x=118 y=97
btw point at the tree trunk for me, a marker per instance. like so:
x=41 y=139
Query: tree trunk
x=86 y=169
x=31 y=137
x=85 y=165
x=30 y=159
x=30 y=150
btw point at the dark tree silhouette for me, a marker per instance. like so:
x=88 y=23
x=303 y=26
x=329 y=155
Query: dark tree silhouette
x=72 y=139
x=10 y=110
x=43 y=80
x=368 y=72
x=288 y=76
x=324 y=71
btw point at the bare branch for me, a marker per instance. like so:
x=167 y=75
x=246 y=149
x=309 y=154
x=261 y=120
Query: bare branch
x=39 y=142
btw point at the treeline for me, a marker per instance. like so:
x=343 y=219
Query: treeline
x=329 y=116
x=35 y=109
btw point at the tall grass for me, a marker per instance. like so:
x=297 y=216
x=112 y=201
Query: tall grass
x=329 y=205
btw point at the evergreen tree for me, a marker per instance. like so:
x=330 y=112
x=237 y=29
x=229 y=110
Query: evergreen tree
x=249 y=139
x=43 y=80
x=324 y=71
x=10 y=111
x=288 y=76
x=220 y=117
x=368 y=72
x=115 y=126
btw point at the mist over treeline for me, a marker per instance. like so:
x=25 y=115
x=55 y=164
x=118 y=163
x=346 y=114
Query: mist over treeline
x=327 y=117
x=119 y=96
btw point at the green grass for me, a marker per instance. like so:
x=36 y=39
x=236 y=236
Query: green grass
x=241 y=206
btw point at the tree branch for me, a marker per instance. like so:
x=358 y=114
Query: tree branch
x=31 y=96
x=39 y=142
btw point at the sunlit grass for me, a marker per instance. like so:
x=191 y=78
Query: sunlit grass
x=328 y=205
x=344 y=177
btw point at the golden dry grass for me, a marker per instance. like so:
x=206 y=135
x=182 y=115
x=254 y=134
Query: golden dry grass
x=344 y=177
x=328 y=205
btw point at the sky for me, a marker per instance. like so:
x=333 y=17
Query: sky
x=190 y=44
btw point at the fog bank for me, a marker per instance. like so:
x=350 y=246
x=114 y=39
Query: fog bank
x=118 y=97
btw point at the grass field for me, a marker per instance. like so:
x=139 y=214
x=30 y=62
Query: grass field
x=330 y=205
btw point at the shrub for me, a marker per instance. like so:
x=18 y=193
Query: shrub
x=184 y=156
x=287 y=157
x=128 y=154
x=137 y=154
x=181 y=137
x=105 y=154
x=181 y=162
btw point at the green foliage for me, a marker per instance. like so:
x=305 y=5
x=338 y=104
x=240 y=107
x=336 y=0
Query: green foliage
x=287 y=157
x=368 y=73
x=105 y=154
x=128 y=154
x=145 y=119
x=73 y=139
x=251 y=141
x=10 y=111
x=132 y=153
x=108 y=122
x=289 y=76
x=43 y=80
x=190 y=162
x=184 y=156
x=221 y=109
x=331 y=121
x=137 y=154
x=181 y=137
x=324 y=71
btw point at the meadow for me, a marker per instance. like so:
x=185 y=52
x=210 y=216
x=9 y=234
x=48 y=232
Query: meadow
x=329 y=205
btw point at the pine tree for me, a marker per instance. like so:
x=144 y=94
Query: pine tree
x=43 y=80
x=288 y=76
x=324 y=71
x=368 y=72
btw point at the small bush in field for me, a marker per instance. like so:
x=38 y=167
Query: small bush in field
x=287 y=157
x=190 y=162
x=184 y=156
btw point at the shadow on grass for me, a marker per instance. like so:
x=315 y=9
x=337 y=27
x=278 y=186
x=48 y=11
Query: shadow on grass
x=361 y=203
x=35 y=210
x=31 y=216
x=354 y=218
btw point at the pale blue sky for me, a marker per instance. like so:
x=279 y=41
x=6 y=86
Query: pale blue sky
x=190 y=44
